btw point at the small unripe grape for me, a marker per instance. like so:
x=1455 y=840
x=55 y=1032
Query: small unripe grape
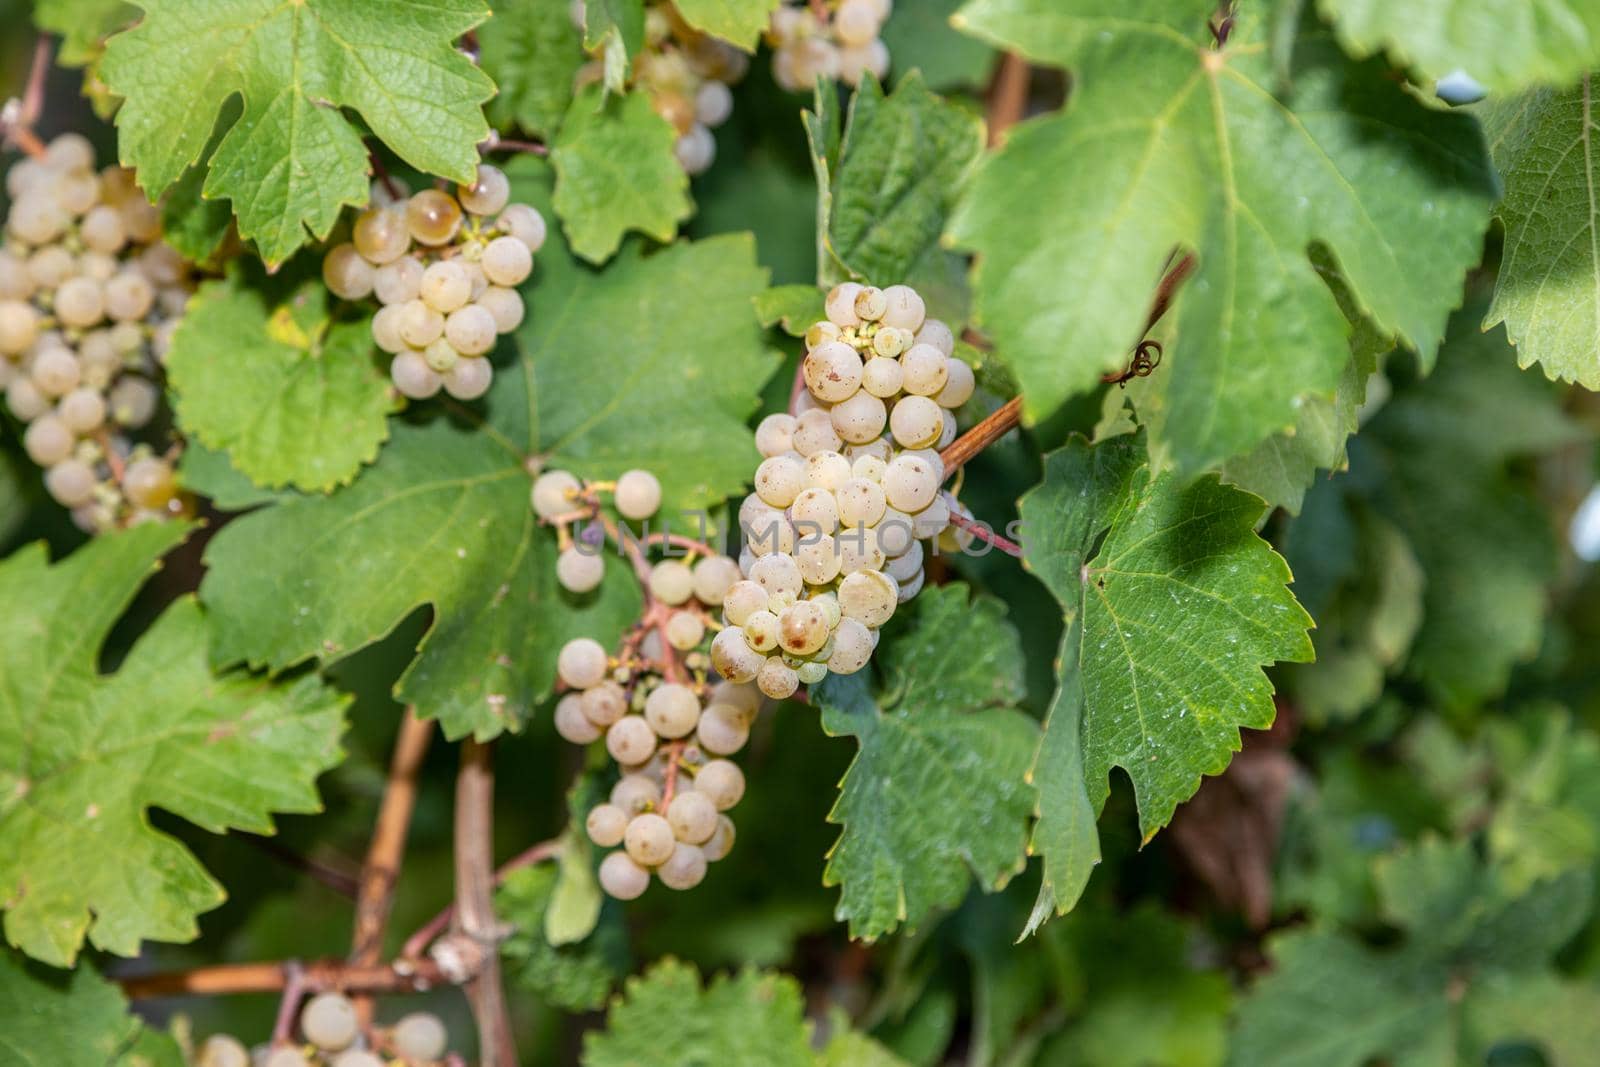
x=634 y=793
x=638 y=496
x=505 y=305
x=684 y=869
x=397 y=282
x=860 y=418
x=713 y=577
x=622 y=878
x=380 y=235
x=80 y=302
x=579 y=571
x=743 y=599
x=469 y=378
x=507 y=262
x=889 y=342
x=440 y=355
x=420 y=1035
x=471 y=330
x=148 y=483
x=685 y=630
x=572 y=724
x=133 y=402
x=671 y=582
x=386 y=329
x=433 y=217
x=721 y=842
x=486 y=195
x=19 y=327
x=648 y=839
x=329 y=1021
x=733 y=658
x=722 y=730
x=722 y=782
x=222 y=1050
x=606 y=824
x=525 y=224
x=420 y=324
x=841 y=304
x=672 y=710
x=630 y=740
x=56 y=372
x=346 y=274
x=48 y=440
x=413 y=377
x=959 y=384
x=555 y=493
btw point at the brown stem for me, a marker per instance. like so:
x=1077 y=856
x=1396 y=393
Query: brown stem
x=1008 y=96
x=33 y=95
x=688 y=544
x=318 y=976
x=294 y=989
x=474 y=916
x=983 y=532
x=338 y=881
x=385 y=854
x=670 y=784
x=501 y=144
x=418 y=943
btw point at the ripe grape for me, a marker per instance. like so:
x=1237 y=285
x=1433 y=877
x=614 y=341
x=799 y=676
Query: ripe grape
x=604 y=704
x=420 y=1035
x=722 y=730
x=397 y=282
x=819 y=560
x=133 y=401
x=696 y=150
x=386 y=329
x=959 y=385
x=648 y=839
x=432 y=217
x=80 y=302
x=579 y=571
x=775 y=434
x=916 y=422
x=721 y=781
x=347 y=274
x=622 y=878
x=56 y=372
x=869 y=597
x=802 y=628
x=743 y=599
x=606 y=825
x=630 y=740
x=380 y=234
x=102 y=231
x=833 y=371
x=505 y=305
x=852 y=647
x=671 y=582
x=684 y=869
x=685 y=630
x=48 y=440
x=69 y=152
x=925 y=370
x=329 y=1021
x=445 y=286
x=148 y=483
x=471 y=330
x=814 y=432
x=777 y=574
x=693 y=817
x=469 y=378
x=357 y=1057
x=440 y=356
x=555 y=493
x=713 y=577
x=129 y=296
x=420 y=325
x=222 y=1050
x=507 y=262
x=721 y=842
x=634 y=793
x=525 y=224
x=19 y=327
x=638 y=496
x=857 y=62
x=733 y=657
x=571 y=723
x=413 y=377
x=910 y=483
x=488 y=193
x=861 y=418
x=779 y=480
x=286 y=1057
x=672 y=711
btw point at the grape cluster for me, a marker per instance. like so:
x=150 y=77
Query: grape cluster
x=840 y=44
x=89 y=298
x=333 y=1038
x=834 y=531
x=687 y=74
x=445 y=269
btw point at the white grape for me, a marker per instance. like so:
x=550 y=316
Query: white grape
x=861 y=502
x=222 y=1050
x=827 y=470
x=840 y=305
x=505 y=305
x=859 y=550
x=48 y=440
x=775 y=434
x=469 y=378
x=571 y=723
x=69 y=152
x=814 y=512
x=814 y=432
x=148 y=483
x=802 y=628
x=346 y=274
x=579 y=571
x=832 y=372
x=413 y=377
x=761 y=631
x=925 y=370
x=905 y=566
x=777 y=574
x=399 y=281
x=722 y=782
x=129 y=296
x=80 y=302
x=882 y=377
x=380 y=234
x=445 y=286
x=420 y=1035
x=287 y=1056
x=889 y=341
x=779 y=480
x=860 y=418
x=852 y=647
x=555 y=493
x=869 y=597
x=70 y=483
x=649 y=839
x=947 y=436
x=488 y=193
x=693 y=817
x=440 y=355
x=622 y=878
x=671 y=582
x=16 y=283
x=713 y=103
x=634 y=793
x=911 y=588
x=420 y=324
x=56 y=372
x=36 y=218
x=638 y=496
x=916 y=421
x=329 y=1021
x=713 y=577
x=696 y=150
x=507 y=262
x=603 y=704
x=630 y=740
x=685 y=631
x=525 y=224
x=386 y=329
x=732 y=656
x=606 y=824
x=100 y=267
x=857 y=62
x=433 y=217
x=906 y=310
x=133 y=402
x=684 y=869
x=959 y=385
x=357 y=1057
x=819 y=560
x=869 y=468
x=910 y=483
x=471 y=330
x=672 y=710
x=19 y=327
x=743 y=599
x=721 y=842
x=581 y=663
x=777 y=679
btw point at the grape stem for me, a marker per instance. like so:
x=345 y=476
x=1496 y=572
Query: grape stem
x=294 y=991
x=18 y=118
x=496 y=143
x=272 y=976
x=381 y=870
x=1008 y=96
x=982 y=532
x=384 y=176
x=416 y=945
x=474 y=919
x=688 y=544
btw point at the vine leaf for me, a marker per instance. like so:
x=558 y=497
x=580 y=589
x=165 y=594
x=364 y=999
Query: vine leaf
x=442 y=518
x=616 y=172
x=86 y=755
x=292 y=397
x=741 y=22
x=1169 y=622
x=937 y=794
x=533 y=51
x=1550 y=268
x=1171 y=143
x=1504 y=44
x=572 y=977
x=72 y=1019
x=292 y=161
x=83 y=25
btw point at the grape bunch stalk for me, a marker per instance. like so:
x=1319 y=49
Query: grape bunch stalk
x=835 y=40
x=445 y=268
x=89 y=298
x=835 y=529
x=687 y=75
x=669 y=726
x=333 y=1037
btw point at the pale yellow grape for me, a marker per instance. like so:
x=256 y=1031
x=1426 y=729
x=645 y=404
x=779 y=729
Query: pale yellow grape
x=445 y=286
x=24 y=175
x=440 y=355
x=19 y=327
x=286 y=1056
x=129 y=296
x=925 y=370
x=859 y=550
x=857 y=62
x=832 y=372
x=814 y=511
x=420 y=324
x=56 y=372
x=742 y=697
x=722 y=730
x=871 y=304
x=672 y=710
x=775 y=434
x=346 y=274
x=603 y=704
x=69 y=152
x=222 y=1050
x=630 y=740
x=413 y=377
x=779 y=480
x=163 y=264
x=852 y=647
x=938 y=335
x=525 y=224
x=685 y=630
x=761 y=631
x=488 y=193
x=16 y=283
x=695 y=150
x=882 y=377
x=572 y=724
x=77 y=193
x=634 y=793
x=37 y=219
x=777 y=679
x=829 y=603
x=80 y=302
x=149 y=483
x=821 y=333
x=432 y=217
x=722 y=782
x=814 y=433
x=50 y=266
x=83 y=410
x=133 y=401
x=721 y=842
x=910 y=483
x=478 y=279
x=856 y=22
x=48 y=440
x=753 y=508
x=470 y=330
x=648 y=839
x=713 y=103
x=802 y=628
x=70 y=482
x=469 y=379
x=555 y=493
x=911 y=588
x=916 y=422
x=896 y=533
x=386 y=329
x=388 y=191
x=810 y=672
x=507 y=262
x=840 y=305
x=767 y=532
x=684 y=869
x=907 y=565
x=692 y=816
x=889 y=342
x=102 y=231
x=380 y=235
x=606 y=824
x=861 y=502
x=420 y=1036
x=713 y=577
x=126 y=337
x=947 y=436
x=638 y=496
x=883 y=448
x=579 y=571
x=399 y=281
x=860 y=419
x=905 y=310
x=869 y=597
x=671 y=582
x=505 y=305
x=102 y=268
x=622 y=878
x=777 y=574
x=870 y=468
x=959 y=385
x=733 y=658
x=743 y=599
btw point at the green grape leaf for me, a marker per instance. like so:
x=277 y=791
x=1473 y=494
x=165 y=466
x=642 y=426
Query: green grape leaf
x=1171 y=144
x=443 y=518
x=83 y=25
x=741 y=22
x=72 y=1019
x=616 y=172
x=615 y=30
x=919 y=36
x=87 y=755
x=212 y=474
x=902 y=163
x=665 y=1018
x=1550 y=266
x=1504 y=44
x=936 y=796
x=191 y=223
x=793 y=308
x=1169 y=622
x=532 y=50
x=292 y=161
x=293 y=397
x=849 y=1048
x=572 y=977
